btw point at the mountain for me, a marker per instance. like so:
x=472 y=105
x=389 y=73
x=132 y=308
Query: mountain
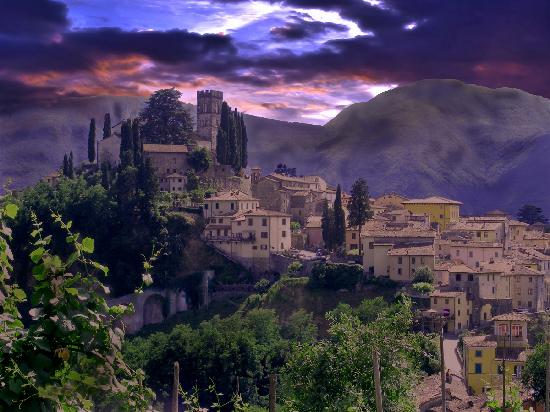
x=487 y=147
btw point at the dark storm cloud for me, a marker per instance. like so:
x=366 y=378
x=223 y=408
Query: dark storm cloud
x=301 y=27
x=32 y=17
x=14 y=94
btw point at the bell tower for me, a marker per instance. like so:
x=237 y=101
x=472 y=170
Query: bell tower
x=209 y=106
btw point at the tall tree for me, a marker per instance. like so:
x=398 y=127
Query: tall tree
x=531 y=214
x=327 y=226
x=126 y=144
x=359 y=205
x=106 y=175
x=70 y=167
x=199 y=160
x=244 y=143
x=65 y=165
x=137 y=144
x=235 y=141
x=91 y=141
x=107 y=125
x=339 y=219
x=222 y=138
x=164 y=119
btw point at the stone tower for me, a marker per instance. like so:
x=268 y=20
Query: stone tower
x=209 y=107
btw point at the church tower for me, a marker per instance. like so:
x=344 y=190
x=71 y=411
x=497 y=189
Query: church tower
x=209 y=107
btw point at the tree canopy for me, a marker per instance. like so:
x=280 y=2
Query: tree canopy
x=165 y=119
x=359 y=205
x=232 y=139
x=531 y=214
x=91 y=142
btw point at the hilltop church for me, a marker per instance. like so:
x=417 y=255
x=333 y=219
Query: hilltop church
x=170 y=161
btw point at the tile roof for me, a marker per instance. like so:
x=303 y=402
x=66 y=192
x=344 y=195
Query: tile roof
x=513 y=316
x=460 y=268
x=165 y=148
x=231 y=195
x=483 y=341
x=265 y=212
x=513 y=222
x=433 y=200
x=412 y=251
x=473 y=225
x=446 y=294
x=405 y=232
x=473 y=243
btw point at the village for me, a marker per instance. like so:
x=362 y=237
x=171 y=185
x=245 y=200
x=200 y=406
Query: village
x=480 y=281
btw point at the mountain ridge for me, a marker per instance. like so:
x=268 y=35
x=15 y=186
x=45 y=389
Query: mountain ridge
x=434 y=136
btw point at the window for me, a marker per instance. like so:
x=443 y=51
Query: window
x=529 y=304
x=206 y=206
x=485 y=234
x=239 y=223
x=478 y=369
x=284 y=233
x=502 y=329
x=529 y=291
x=174 y=170
x=284 y=220
x=458 y=277
x=413 y=260
x=264 y=221
x=371 y=245
x=167 y=170
x=458 y=302
x=264 y=235
x=255 y=247
x=478 y=354
x=517 y=331
x=217 y=205
x=493 y=290
x=179 y=180
x=530 y=279
x=478 y=234
x=250 y=221
x=263 y=247
x=400 y=260
x=435 y=301
x=459 y=312
x=354 y=235
x=399 y=271
x=232 y=206
x=446 y=301
x=220 y=220
x=470 y=278
x=471 y=254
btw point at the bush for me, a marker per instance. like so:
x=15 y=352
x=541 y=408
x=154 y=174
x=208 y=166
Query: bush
x=294 y=268
x=335 y=276
x=262 y=285
x=423 y=274
x=382 y=281
x=423 y=287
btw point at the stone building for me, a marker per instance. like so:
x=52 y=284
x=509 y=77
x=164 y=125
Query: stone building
x=170 y=164
x=209 y=105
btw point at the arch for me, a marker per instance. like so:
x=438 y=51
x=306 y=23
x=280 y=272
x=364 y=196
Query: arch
x=153 y=309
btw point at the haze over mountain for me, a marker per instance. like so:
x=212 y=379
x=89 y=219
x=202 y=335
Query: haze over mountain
x=486 y=147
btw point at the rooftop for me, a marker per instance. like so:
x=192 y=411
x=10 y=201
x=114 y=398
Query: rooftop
x=232 y=195
x=513 y=316
x=432 y=200
x=446 y=294
x=483 y=341
x=164 y=148
x=412 y=251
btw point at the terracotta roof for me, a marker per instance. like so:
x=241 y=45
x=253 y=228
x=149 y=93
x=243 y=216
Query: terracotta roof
x=475 y=226
x=405 y=232
x=461 y=269
x=446 y=294
x=264 y=212
x=164 y=148
x=432 y=200
x=473 y=243
x=483 y=341
x=513 y=316
x=512 y=222
x=412 y=251
x=232 y=195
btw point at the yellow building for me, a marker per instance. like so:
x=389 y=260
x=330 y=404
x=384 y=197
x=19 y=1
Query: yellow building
x=485 y=355
x=441 y=211
x=227 y=203
x=455 y=306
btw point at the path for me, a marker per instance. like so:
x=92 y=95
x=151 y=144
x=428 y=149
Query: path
x=449 y=351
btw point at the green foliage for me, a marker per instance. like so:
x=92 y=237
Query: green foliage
x=300 y=327
x=339 y=234
x=69 y=356
x=294 y=268
x=238 y=351
x=423 y=275
x=164 y=119
x=531 y=214
x=199 y=159
x=295 y=226
x=327 y=226
x=336 y=374
x=262 y=285
x=232 y=139
x=359 y=205
x=68 y=166
x=534 y=372
x=513 y=401
x=423 y=287
x=335 y=276
x=382 y=282
x=91 y=142
x=107 y=125
x=193 y=182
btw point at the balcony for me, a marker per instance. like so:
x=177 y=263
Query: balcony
x=236 y=237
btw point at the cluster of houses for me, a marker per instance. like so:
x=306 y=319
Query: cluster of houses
x=490 y=271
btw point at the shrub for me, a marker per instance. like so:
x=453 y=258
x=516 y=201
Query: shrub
x=423 y=287
x=423 y=274
x=294 y=268
x=262 y=285
x=335 y=276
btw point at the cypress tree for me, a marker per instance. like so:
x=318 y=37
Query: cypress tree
x=91 y=141
x=339 y=219
x=70 y=167
x=65 y=165
x=327 y=226
x=235 y=141
x=222 y=144
x=106 y=175
x=107 y=125
x=126 y=144
x=359 y=205
x=244 y=143
x=136 y=142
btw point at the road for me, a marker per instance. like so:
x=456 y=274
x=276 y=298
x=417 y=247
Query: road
x=451 y=360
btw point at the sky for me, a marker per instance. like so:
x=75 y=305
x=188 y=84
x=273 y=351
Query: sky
x=295 y=60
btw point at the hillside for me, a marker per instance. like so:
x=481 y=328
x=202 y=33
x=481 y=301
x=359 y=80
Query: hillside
x=485 y=147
